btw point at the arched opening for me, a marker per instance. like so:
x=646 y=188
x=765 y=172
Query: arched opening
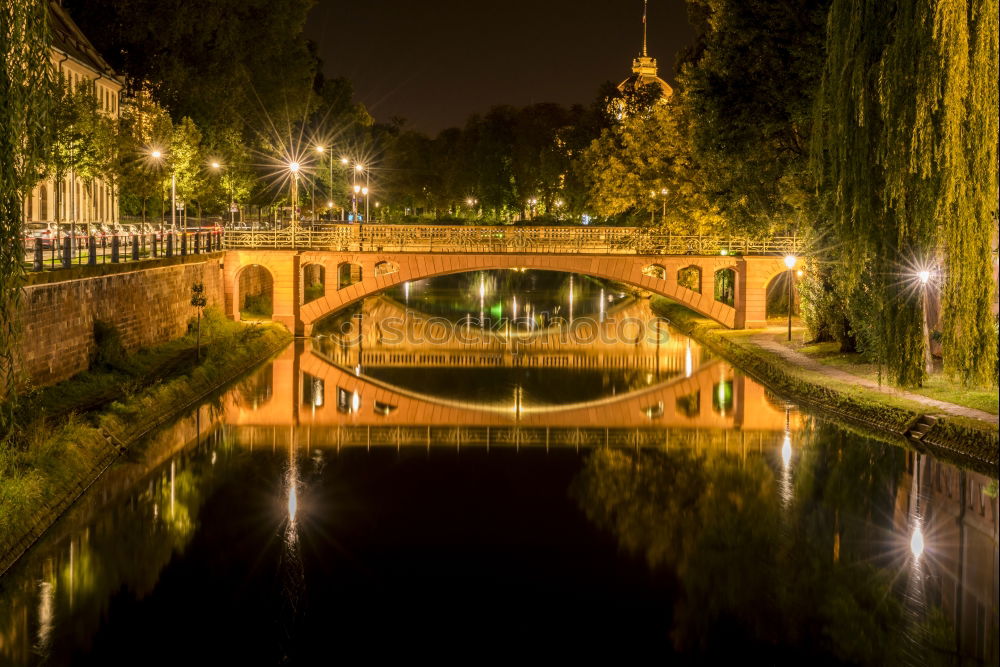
x=690 y=278
x=313 y=282
x=348 y=274
x=655 y=271
x=722 y=397
x=386 y=268
x=256 y=293
x=777 y=295
x=725 y=286
x=689 y=405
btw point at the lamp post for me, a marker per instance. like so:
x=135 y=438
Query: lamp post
x=790 y=261
x=364 y=191
x=293 y=168
x=664 y=192
x=158 y=155
x=925 y=278
x=232 y=214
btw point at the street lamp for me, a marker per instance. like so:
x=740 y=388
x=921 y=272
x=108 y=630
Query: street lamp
x=293 y=168
x=232 y=214
x=158 y=156
x=790 y=261
x=925 y=278
x=664 y=192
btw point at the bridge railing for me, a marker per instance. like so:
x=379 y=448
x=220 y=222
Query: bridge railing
x=504 y=239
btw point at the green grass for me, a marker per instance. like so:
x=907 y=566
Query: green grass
x=57 y=443
x=937 y=386
x=974 y=441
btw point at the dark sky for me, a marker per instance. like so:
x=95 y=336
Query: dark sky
x=435 y=62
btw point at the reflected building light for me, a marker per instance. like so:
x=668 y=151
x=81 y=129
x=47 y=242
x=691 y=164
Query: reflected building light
x=602 y=305
x=213 y=458
x=571 y=299
x=688 y=361
x=172 y=471
x=357 y=369
x=46 y=615
x=406 y=292
x=514 y=314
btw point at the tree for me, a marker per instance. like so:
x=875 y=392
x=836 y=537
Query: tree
x=633 y=162
x=906 y=158
x=748 y=84
x=144 y=126
x=199 y=301
x=25 y=93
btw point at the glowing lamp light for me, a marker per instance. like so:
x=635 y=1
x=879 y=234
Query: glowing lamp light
x=925 y=277
x=343 y=160
x=917 y=542
x=156 y=155
x=364 y=191
x=329 y=204
x=359 y=167
x=724 y=252
x=791 y=261
x=216 y=165
x=357 y=189
x=294 y=167
x=320 y=149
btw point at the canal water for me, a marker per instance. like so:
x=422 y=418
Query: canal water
x=420 y=482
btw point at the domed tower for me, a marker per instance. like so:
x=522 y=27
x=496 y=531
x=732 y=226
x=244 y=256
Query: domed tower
x=644 y=70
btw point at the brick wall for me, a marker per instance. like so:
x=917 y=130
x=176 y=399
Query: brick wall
x=148 y=306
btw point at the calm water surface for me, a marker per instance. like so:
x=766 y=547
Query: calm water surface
x=513 y=497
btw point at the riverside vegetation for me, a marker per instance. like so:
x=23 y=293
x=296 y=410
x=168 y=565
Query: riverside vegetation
x=64 y=436
x=956 y=438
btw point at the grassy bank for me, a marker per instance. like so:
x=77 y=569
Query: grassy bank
x=936 y=387
x=956 y=438
x=68 y=434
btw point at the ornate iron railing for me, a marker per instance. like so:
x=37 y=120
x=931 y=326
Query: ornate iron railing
x=505 y=239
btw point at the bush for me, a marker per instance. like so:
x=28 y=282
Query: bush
x=258 y=305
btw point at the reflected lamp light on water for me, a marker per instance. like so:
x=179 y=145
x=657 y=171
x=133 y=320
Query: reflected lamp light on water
x=356 y=402
x=917 y=542
x=786 y=450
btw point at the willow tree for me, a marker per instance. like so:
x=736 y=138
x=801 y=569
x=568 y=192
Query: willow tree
x=24 y=84
x=905 y=150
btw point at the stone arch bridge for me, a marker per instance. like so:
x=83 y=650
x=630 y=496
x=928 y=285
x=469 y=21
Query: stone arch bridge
x=358 y=261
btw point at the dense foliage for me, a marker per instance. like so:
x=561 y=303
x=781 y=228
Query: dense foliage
x=907 y=170
x=24 y=124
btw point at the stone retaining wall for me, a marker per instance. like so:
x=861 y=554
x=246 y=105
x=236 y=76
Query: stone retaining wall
x=149 y=305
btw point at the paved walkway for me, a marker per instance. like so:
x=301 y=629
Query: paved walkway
x=767 y=342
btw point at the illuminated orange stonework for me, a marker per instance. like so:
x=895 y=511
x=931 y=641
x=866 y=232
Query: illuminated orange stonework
x=285 y=266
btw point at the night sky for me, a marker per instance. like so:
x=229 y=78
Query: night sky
x=435 y=62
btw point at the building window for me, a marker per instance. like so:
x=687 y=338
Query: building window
x=43 y=203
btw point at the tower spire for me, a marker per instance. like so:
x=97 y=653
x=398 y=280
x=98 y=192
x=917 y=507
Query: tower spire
x=645 y=11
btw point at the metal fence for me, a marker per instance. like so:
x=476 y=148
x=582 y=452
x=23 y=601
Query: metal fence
x=499 y=239
x=43 y=254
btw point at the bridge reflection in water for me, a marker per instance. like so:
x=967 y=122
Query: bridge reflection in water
x=331 y=404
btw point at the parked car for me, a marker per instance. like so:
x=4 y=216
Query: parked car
x=38 y=230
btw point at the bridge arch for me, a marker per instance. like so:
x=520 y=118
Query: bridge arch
x=313 y=281
x=254 y=292
x=749 y=300
x=689 y=277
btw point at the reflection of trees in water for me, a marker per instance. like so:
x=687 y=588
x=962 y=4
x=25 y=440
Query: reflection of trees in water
x=125 y=548
x=258 y=388
x=814 y=578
